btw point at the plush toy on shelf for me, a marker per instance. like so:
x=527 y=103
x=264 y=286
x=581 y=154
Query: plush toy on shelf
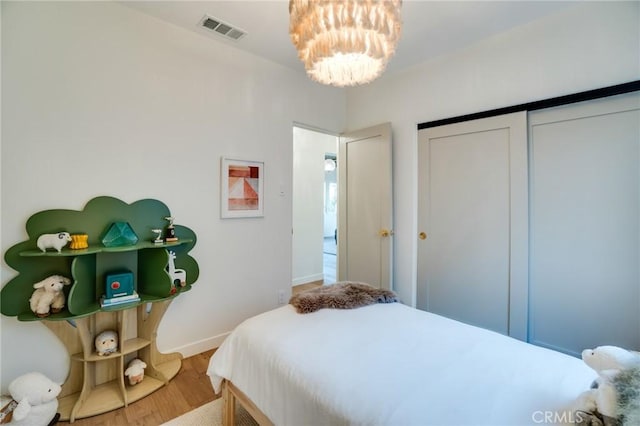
x=36 y=396
x=106 y=342
x=135 y=371
x=48 y=296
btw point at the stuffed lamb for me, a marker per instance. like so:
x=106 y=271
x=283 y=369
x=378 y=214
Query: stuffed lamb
x=36 y=396
x=135 y=371
x=48 y=295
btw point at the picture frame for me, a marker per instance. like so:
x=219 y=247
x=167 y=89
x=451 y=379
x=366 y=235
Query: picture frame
x=241 y=188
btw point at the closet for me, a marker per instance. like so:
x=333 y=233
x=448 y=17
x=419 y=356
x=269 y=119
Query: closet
x=529 y=222
x=472 y=217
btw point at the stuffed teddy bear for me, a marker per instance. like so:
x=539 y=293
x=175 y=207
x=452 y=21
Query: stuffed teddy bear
x=135 y=371
x=608 y=362
x=106 y=342
x=48 y=295
x=36 y=396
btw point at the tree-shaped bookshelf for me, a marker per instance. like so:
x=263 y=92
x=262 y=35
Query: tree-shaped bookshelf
x=96 y=384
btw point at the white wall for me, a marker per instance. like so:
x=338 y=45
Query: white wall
x=309 y=148
x=99 y=99
x=587 y=46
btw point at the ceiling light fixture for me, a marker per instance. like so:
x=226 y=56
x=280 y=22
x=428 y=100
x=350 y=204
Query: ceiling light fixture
x=344 y=42
x=329 y=165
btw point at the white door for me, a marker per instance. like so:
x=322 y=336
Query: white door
x=585 y=225
x=365 y=206
x=472 y=222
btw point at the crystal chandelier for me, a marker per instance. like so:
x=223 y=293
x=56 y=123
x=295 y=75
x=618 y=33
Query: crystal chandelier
x=344 y=42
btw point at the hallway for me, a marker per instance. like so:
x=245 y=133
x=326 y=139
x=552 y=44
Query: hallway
x=329 y=260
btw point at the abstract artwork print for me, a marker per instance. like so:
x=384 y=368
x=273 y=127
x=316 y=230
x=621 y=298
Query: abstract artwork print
x=241 y=188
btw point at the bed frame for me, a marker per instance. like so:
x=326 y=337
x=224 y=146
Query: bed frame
x=231 y=394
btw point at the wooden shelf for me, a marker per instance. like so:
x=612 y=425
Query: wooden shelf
x=128 y=347
x=96 y=384
x=101 y=249
x=107 y=396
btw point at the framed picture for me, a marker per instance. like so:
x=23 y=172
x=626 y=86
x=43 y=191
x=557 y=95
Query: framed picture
x=242 y=188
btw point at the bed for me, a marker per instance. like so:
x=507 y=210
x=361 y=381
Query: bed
x=389 y=364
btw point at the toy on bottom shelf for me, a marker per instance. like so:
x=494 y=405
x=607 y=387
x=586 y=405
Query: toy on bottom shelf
x=135 y=371
x=36 y=396
x=106 y=342
x=55 y=241
x=48 y=296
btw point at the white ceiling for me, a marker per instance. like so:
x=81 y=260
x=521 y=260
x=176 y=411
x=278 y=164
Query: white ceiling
x=430 y=28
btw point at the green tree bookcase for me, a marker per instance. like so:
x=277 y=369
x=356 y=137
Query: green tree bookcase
x=96 y=384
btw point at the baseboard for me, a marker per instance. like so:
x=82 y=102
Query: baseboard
x=308 y=279
x=200 y=346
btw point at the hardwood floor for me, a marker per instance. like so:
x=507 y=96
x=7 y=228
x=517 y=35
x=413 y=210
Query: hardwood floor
x=302 y=287
x=190 y=389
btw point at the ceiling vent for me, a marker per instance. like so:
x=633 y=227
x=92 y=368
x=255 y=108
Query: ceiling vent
x=222 y=28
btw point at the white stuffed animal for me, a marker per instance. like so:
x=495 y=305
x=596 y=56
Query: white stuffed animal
x=37 y=400
x=55 y=241
x=608 y=362
x=135 y=371
x=48 y=296
x=106 y=342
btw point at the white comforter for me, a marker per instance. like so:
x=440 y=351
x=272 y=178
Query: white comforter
x=389 y=364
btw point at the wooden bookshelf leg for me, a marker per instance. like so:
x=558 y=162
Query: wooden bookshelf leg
x=228 y=406
x=148 y=322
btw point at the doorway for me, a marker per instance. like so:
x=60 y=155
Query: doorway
x=364 y=206
x=314 y=207
x=330 y=241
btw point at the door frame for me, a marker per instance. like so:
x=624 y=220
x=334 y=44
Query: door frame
x=298 y=280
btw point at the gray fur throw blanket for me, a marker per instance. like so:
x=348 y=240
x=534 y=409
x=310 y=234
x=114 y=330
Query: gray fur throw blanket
x=341 y=295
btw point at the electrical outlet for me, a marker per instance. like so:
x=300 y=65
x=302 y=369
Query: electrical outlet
x=281 y=297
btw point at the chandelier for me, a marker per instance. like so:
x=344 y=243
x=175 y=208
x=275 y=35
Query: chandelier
x=344 y=42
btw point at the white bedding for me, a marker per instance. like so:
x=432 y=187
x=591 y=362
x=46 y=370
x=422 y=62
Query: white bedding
x=389 y=364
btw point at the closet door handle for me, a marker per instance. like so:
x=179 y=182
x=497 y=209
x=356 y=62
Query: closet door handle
x=385 y=232
x=422 y=235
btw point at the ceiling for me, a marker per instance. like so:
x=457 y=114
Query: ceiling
x=430 y=28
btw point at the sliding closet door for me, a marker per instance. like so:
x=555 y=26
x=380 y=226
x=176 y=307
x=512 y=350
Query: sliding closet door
x=585 y=225
x=472 y=222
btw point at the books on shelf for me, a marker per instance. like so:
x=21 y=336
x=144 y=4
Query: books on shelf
x=114 y=301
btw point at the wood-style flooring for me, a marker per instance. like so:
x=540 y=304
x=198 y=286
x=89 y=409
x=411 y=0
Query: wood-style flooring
x=190 y=389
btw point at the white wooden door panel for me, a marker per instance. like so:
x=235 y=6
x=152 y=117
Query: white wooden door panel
x=585 y=225
x=365 y=206
x=472 y=207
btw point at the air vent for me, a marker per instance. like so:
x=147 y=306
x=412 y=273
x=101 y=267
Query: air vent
x=222 y=28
